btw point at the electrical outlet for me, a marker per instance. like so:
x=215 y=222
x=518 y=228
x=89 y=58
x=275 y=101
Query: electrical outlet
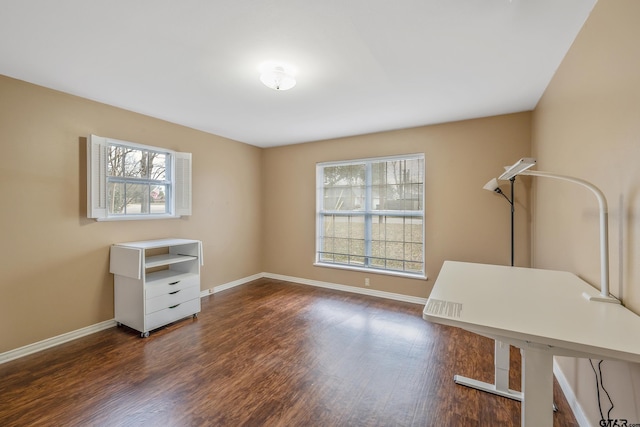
x=366 y=281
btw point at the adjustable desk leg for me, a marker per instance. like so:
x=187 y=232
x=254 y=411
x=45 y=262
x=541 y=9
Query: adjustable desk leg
x=501 y=368
x=537 y=387
x=501 y=380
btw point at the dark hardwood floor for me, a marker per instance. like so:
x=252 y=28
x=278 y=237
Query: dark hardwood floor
x=267 y=353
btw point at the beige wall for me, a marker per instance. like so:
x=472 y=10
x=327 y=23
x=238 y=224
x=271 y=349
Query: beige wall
x=588 y=125
x=254 y=211
x=463 y=222
x=54 y=261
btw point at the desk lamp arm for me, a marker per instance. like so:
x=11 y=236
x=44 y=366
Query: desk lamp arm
x=604 y=234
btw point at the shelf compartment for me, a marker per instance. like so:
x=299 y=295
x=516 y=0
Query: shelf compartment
x=167 y=259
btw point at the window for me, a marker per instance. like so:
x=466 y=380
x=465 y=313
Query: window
x=370 y=215
x=133 y=181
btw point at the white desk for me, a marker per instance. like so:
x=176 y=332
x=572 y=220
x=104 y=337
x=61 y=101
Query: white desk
x=542 y=312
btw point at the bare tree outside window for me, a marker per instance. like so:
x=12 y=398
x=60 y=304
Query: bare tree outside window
x=136 y=180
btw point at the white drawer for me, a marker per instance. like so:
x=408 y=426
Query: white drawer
x=161 y=287
x=168 y=315
x=172 y=298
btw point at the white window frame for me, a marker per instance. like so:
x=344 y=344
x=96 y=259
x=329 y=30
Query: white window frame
x=178 y=181
x=367 y=212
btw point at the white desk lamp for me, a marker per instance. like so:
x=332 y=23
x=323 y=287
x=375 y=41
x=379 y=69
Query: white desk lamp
x=521 y=168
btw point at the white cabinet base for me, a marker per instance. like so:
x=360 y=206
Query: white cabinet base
x=151 y=291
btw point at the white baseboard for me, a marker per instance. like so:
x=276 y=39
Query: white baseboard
x=578 y=412
x=320 y=284
x=54 y=341
x=230 y=285
x=70 y=336
x=345 y=288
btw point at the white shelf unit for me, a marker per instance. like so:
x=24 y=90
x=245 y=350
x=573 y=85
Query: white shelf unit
x=156 y=282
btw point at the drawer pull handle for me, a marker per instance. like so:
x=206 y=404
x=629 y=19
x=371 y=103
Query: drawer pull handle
x=174 y=306
x=174 y=292
x=174 y=283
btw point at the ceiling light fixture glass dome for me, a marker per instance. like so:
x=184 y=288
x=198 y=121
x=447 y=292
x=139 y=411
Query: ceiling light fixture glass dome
x=277 y=77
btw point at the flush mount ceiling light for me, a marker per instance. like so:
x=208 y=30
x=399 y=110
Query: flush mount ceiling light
x=277 y=76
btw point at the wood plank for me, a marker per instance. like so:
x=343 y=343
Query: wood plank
x=268 y=353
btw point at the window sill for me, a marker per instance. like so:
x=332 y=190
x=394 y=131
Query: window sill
x=373 y=271
x=136 y=218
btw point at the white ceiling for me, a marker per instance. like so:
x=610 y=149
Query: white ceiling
x=363 y=65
